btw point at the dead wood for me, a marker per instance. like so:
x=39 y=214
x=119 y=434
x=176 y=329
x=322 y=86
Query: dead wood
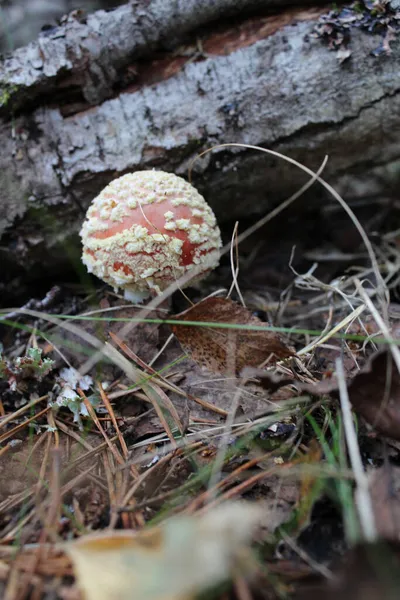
x=115 y=92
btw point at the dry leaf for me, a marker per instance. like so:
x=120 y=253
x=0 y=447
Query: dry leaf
x=269 y=381
x=174 y=561
x=374 y=392
x=367 y=572
x=228 y=350
x=384 y=486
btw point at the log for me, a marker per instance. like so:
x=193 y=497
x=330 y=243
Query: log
x=115 y=92
x=86 y=53
x=22 y=21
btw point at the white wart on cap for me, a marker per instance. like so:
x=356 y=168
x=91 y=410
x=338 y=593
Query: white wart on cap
x=147 y=229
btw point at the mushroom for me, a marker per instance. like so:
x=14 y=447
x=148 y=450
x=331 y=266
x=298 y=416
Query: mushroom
x=146 y=230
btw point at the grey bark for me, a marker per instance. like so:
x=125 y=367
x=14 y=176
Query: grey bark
x=22 y=20
x=276 y=86
x=88 y=53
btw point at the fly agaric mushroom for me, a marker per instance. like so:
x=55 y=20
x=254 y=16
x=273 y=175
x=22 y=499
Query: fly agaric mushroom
x=147 y=229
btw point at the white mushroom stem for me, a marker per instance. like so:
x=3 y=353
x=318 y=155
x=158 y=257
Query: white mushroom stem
x=136 y=296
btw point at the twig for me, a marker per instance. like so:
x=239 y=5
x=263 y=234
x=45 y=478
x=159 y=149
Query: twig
x=21 y=410
x=322 y=569
x=114 y=451
x=34 y=304
x=17 y=428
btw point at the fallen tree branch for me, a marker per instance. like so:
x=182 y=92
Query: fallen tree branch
x=264 y=81
x=87 y=53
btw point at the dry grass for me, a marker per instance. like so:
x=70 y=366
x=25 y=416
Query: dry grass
x=158 y=436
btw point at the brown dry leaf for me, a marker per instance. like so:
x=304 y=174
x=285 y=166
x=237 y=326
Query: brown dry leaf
x=375 y=394
x=367 y=572
x=269 y=381
x=141 y=339
x=279 y=495
x=20 y=468
x=384 y=486
x=174 y=561
x=228 y=350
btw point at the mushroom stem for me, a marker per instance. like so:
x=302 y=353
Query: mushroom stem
x=135 y=296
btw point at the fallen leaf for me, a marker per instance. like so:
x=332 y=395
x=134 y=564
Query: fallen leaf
x=367 y=572
x=374 y=393
x=269 y=381
x=326 y=357
x=141 y=339
x=228 y=350
x=20 y=468
x=173 y=561
x=384 y=487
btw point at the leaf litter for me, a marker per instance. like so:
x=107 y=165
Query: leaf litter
x=372 y=16
x=142 y=458
x=177 y=560
x=229 y=350
x=374 y=391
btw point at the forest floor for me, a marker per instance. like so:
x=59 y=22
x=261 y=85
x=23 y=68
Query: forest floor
x=266 y=455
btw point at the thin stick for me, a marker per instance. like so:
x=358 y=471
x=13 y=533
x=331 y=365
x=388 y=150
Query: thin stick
x=129 y=495
x=318 y=567
x=169 y=340
x=362 y=495
x=108 y=406
x=203 y=497
x=17 y=428
x=114 y=451
x=20 y=411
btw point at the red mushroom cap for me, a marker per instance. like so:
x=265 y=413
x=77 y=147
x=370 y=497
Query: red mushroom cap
x=147 y=229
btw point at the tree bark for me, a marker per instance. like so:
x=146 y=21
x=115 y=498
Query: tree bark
x=116 y=93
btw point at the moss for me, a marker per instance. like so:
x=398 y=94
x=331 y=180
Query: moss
x=359 y=8
x=7 y=90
